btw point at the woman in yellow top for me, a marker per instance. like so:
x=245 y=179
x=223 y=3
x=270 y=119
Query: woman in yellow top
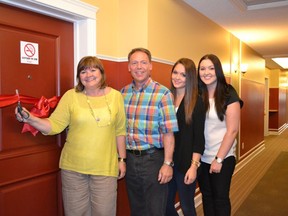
x=94 y=153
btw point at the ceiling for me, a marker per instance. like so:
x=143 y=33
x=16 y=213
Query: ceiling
x=261 y=24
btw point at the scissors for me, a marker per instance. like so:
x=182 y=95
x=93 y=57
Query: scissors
x=20 y=110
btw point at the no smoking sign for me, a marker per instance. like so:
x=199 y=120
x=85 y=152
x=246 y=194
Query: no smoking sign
x=29 y=53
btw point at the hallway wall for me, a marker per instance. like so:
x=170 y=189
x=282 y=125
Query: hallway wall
x=176 y=31
x=278 y=108
x=171 y=30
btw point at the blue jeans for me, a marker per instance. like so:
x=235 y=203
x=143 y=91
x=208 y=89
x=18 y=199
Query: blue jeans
x=186 y=195
x=215 y=188
x=146 y=196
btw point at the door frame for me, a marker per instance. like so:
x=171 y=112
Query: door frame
x=266 y=107
x=82 y=15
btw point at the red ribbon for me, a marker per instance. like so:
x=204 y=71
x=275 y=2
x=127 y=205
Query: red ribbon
x=6 y=100
x=41 y=107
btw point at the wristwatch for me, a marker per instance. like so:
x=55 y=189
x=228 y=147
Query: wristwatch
x=121 y=159
x=171 y=163
x=218 y=160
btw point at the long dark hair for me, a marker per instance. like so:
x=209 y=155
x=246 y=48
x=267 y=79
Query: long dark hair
x=191 y=87
x=89 y=62
x=221 y=91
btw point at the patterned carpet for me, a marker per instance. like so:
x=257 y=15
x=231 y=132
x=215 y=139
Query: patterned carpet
x=270 y=196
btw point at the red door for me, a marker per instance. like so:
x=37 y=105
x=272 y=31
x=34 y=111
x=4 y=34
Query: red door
x=29 y=173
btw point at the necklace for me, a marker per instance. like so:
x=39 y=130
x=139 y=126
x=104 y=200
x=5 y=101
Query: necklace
x=100 y=122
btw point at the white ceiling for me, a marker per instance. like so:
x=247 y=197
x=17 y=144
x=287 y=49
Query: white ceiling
x=261 y=24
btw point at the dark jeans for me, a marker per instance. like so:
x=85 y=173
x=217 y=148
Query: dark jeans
x=146 y=196
x=186 y=195
x=215 y=188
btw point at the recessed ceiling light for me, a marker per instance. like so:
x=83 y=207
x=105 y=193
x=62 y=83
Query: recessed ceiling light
x=258 y=4
x=283 y=62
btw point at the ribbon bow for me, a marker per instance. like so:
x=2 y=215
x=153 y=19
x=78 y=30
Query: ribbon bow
x=41 y=107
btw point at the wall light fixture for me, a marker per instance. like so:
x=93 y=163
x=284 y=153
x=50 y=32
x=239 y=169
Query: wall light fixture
x=244 y=68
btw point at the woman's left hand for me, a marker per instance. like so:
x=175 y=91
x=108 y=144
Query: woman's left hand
x=190 y=175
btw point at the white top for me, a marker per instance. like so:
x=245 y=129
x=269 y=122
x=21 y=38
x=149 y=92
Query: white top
x=214 y=133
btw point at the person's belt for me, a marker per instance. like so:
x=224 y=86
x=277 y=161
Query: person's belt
x=144 y=152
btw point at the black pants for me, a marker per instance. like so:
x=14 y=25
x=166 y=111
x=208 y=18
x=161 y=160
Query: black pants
x=215 y=188
x=146 y=196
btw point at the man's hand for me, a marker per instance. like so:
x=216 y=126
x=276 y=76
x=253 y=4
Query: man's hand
x=165 y=174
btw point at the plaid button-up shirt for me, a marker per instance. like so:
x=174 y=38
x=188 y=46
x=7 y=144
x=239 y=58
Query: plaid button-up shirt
x=150 y=113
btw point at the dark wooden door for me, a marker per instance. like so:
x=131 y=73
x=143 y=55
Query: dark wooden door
x=29 y=173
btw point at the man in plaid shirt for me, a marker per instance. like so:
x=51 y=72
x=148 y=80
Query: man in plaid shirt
x=151 y=122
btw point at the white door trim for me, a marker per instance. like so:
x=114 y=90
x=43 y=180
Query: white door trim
x=266 y=107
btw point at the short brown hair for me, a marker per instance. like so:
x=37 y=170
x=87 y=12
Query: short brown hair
x=89 y=62
x=140 y=49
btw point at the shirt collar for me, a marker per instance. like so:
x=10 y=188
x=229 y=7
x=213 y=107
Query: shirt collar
x=143 y=87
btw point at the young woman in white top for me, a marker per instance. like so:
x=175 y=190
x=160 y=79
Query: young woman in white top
x=222 y=106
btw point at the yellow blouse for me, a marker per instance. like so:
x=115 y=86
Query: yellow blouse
x=90 y=146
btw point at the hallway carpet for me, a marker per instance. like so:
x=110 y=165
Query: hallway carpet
x=270 y=196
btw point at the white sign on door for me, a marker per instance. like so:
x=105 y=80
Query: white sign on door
x=29 y=53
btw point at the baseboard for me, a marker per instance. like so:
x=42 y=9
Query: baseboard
x=198 y=199
x=279 y=130
x=247 y=159
x=251 y=153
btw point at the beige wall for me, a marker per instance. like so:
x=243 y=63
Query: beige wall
x=170 y=29
x=133 y=25
x=176 y=30
x=235 y=47
x=256 y=64
x=121 y=25
x=283 y=80
x=274 y=78
x=107 y=31
x=278 y=79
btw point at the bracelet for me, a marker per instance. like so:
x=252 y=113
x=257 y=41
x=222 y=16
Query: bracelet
x=121 y=159
x=196 y=163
